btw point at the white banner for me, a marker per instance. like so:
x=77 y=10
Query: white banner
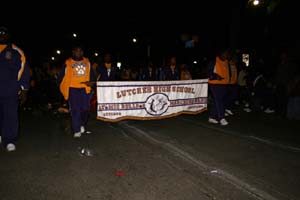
x=150 y=99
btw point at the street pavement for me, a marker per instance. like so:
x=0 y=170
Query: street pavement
x=255 y=157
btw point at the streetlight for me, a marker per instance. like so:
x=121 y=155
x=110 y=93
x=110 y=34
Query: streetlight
x=255 y=2
x=74 y=35
x=52 y=58
x=96 y=54
x=195 y=62
x=58 y=52
x=134 y=40
x=119 y=64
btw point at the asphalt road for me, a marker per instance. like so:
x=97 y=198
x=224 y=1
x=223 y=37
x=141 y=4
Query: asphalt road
x=255 y=157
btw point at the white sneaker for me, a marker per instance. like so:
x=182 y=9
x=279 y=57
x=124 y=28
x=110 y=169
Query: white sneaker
x=223 y=122
x=269 y=111
x=77 y=135
x=213 y=121
x=82 y=129
x=228 y=112
x=247 y=110
x=11 y=147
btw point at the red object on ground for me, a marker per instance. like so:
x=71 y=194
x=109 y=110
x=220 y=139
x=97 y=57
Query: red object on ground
x=119 y=173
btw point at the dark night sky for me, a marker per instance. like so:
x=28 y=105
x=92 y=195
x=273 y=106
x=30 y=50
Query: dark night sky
x=41 y=28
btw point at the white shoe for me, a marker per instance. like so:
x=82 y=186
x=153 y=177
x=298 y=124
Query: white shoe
x=223 y=122
x=247 y=110
x=11 y=147
x=77 y=135
x=228 y=112
x=213 y=121
x=269 y=111
x=82 y=129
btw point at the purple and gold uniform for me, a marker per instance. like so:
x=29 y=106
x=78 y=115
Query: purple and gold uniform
x=74 y=75
x=219 y=78
x=14 y=75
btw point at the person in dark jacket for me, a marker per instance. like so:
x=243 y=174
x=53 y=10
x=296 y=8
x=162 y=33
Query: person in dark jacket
x=171 y=72
x=14 y=82
x=149 y=73
x=107 y=71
